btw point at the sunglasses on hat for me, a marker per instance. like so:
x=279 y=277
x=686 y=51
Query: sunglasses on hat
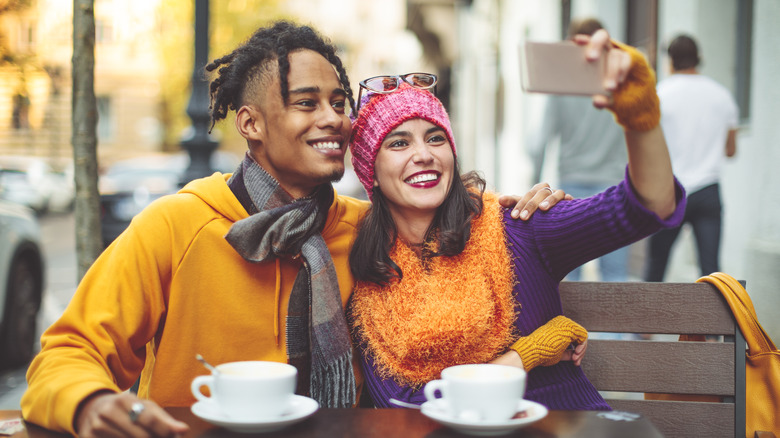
x=388 y=83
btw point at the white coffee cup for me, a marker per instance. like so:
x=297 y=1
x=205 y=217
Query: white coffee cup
x=479 y=392
x=250 y=390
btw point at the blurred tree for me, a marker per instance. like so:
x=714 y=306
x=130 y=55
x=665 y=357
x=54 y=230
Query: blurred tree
x=84 y=120
x=13 y=5
x=7 y=54
x=232 y=22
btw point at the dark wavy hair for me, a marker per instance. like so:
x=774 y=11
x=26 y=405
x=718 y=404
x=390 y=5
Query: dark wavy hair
x=451 y=227
x=240 y=73
x=684 y=52
x=584 y=26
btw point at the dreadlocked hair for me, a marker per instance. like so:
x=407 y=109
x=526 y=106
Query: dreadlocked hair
x=239 y=70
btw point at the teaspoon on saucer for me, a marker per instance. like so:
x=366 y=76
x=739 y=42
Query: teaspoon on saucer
x=404 y=404
x=211 y=367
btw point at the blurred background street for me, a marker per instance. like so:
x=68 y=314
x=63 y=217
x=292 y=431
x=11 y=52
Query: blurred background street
x=60 y=258
x=144 y=66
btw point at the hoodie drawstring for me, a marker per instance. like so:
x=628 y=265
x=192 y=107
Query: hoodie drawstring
x=276 y=300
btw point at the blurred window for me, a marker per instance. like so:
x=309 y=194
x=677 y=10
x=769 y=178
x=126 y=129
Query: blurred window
x=104 y=31
x=105 y=126
x=642 y=28
x=641 y=21
x=26 y=36
x=744 y=55
x=20 y=112
x=642 y=31
x=565 y=18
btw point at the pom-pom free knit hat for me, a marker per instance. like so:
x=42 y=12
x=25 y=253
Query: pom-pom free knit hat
x=384 y=112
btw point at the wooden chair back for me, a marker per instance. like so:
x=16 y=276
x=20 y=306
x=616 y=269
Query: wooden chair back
x=630 y=368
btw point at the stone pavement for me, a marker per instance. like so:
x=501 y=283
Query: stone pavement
x=12 y=386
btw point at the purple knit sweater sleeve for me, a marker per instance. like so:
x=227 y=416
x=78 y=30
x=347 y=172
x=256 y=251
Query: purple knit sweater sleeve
x=575 y=232
x=544 y=249
x=552 y=243
x=383 y=390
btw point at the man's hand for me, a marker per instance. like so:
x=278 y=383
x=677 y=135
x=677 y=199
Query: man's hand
x=106 y=414
x=540 y=196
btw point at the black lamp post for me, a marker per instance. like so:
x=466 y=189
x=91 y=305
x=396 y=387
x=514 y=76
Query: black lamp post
x=198 y=143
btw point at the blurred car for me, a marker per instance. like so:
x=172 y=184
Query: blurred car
x=349 y=185
x=62 y=189
x=128 y=186
x=22 y=182
x=32 y=182
x=21 y=283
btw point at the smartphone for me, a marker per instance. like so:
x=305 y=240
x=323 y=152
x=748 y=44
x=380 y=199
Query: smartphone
x=561 y=68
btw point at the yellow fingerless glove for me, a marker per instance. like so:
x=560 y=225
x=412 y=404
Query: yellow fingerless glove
x=635 y=102
x=546 y=345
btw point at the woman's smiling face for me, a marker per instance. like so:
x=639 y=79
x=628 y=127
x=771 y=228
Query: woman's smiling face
x=414 y=168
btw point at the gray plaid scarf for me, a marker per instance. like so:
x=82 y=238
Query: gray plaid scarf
x=318 y=341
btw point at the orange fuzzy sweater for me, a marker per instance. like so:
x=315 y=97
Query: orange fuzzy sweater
x=447 y=311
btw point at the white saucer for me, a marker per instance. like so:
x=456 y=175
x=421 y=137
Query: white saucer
x=300 y=408
x=437 y=410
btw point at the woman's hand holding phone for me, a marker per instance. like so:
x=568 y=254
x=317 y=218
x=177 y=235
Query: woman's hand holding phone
x=617 y=76
x=590 y=66
x=618 y=63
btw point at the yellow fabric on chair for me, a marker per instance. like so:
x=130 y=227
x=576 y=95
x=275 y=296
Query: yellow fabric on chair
x=762 y=362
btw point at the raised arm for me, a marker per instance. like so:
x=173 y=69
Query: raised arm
x=650 y=170
x=635 y=104
x=731 y=143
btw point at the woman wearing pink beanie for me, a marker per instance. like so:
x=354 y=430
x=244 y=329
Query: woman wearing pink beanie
x=444 y=276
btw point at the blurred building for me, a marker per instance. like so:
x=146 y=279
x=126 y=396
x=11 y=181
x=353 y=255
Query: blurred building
x=473 y=45
x=738 y=43
x=39 y=39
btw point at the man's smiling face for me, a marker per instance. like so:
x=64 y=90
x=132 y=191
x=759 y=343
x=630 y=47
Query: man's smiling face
x=303 y=142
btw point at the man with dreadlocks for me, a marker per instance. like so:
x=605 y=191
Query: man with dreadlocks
x=248 y=266
x=224 y=267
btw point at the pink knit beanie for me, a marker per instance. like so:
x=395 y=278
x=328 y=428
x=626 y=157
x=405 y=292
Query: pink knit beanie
x=380 y=114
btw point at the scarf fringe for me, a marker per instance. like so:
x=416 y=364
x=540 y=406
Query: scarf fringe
x=334 y=396
x=318 y=341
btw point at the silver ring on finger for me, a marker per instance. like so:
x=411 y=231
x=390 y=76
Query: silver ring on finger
x=135 y=411
x=551 y=190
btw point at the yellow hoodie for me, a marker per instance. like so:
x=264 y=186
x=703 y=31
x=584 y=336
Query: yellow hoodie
x=170 y=287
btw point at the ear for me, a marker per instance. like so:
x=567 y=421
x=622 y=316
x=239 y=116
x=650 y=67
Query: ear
x=376 y=183
x=250 y=123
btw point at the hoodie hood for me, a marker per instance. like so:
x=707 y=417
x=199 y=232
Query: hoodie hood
x=214 y=191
